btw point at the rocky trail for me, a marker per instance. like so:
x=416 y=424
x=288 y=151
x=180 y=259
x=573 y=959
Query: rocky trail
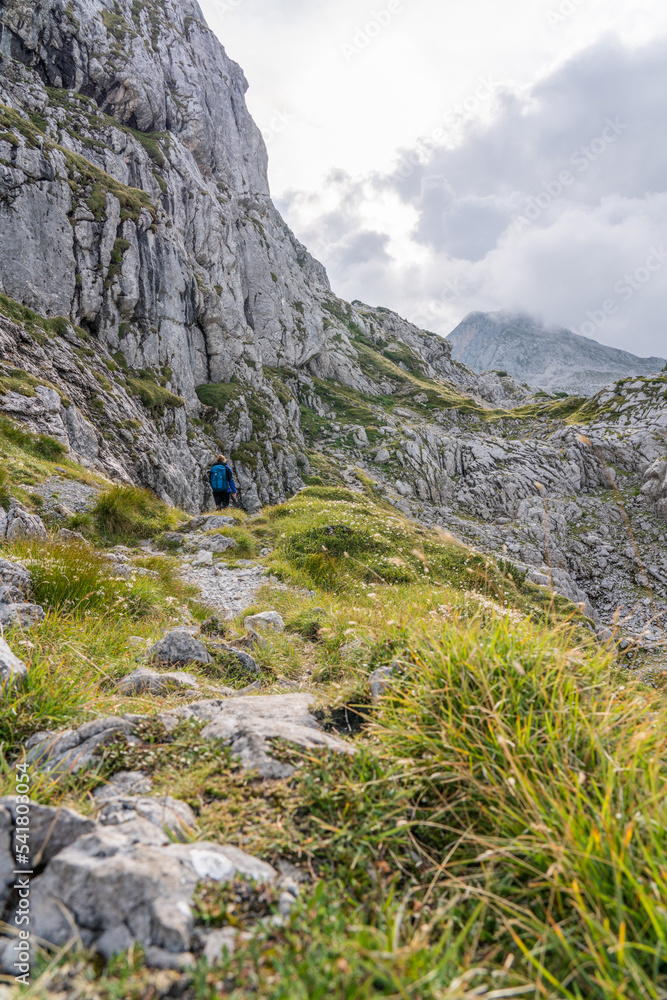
x=127 y=870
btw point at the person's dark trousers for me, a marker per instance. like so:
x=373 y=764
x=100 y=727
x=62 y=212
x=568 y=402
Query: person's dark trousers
x=221 y=498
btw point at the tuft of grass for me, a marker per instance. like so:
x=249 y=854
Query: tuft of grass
x=50 y=697
x=540 y=789
x=5 y=496
x=40 y=445
x=129 y=513
x=73 y=578
x=155 y=397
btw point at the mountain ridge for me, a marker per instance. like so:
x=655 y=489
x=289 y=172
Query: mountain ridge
x=551 y=358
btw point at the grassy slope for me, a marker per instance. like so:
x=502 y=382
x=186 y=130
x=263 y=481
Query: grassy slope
x=501 y=825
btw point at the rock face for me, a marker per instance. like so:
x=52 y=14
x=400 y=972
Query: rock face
x=551 y=358
x=182 y=315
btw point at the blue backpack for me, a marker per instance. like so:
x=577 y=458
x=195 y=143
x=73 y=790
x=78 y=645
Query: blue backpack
x=220 y=476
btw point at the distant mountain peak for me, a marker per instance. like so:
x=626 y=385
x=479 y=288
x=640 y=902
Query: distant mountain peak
x=549 y=357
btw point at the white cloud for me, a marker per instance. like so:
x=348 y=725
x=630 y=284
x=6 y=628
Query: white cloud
x=470 y=156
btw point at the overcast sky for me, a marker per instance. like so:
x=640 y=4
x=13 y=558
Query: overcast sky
x=445 y=157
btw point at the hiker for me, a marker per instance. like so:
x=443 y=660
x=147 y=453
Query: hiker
x=222 y=482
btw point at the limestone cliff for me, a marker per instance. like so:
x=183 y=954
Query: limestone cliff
x=155 y=308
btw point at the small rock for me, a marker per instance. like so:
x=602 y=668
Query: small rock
x=203 y=558
x=173 y=537
x=12 y=670
x=22 y=524
x=122 y=784
x=218 y=521
x=265 y=619
x=143 y=681
x=160 y=958
x=380 y=681
x=162 y=811
x=382 y=456
x=178 y=646
x=74 y=537
x=286 y=904
x=246 y=661
x=219 y=941
x=13 y=574
x=21 y=614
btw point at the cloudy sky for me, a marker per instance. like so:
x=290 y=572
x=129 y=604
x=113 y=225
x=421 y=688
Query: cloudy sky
x=445 y=157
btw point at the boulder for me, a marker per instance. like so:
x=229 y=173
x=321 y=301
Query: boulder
x=144 y=681
x=20 y=614
x=13 y=574
x=247 y=723
x=73 y=537
x=212 y=543
x=70 y=750
x=12 y=670
x=163 y=811
x=178 y=646
x=51 y=829
x=22 y=524
x=203 y=558
x=113 y=886
x=244 y=659
x=265 y=619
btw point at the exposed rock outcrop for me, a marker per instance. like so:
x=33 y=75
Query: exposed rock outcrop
x=119 y=880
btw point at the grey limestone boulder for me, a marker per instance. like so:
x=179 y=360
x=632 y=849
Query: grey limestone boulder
x=70 y=750
x=179 y=646
x=20 y=613
x=248 y=723
x=22 y=524
x=144 y=681
x=74 y=537
x=13 y=574
x=244 y=659
x=265 y=619
x=113 y=885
